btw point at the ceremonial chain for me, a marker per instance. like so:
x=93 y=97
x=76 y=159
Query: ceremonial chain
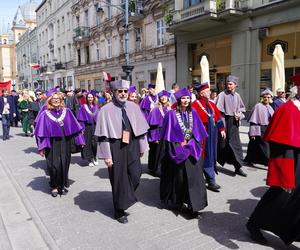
x=60 y=119
x=89 y=111
x=201 y=106
x=186 y=131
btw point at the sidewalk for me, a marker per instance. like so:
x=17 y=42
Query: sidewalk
x=83 y=219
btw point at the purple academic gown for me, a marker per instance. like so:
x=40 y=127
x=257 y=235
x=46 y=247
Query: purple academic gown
x=155 y=121
x=88 y=122
x=146 y=105
x=56 y=140
x=258 y=150
x=182 y=178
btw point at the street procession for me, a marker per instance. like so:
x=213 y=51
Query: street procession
x=127 y=125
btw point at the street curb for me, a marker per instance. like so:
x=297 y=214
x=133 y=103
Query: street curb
x=4 y=239
x=45 y=234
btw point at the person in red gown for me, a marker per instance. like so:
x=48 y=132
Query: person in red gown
x=278 y=211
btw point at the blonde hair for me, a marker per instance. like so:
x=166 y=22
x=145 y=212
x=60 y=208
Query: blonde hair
x=61 y=98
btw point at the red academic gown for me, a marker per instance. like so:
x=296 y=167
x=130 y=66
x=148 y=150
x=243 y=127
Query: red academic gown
x=284 y=128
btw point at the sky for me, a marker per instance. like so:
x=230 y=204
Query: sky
x=8 y=9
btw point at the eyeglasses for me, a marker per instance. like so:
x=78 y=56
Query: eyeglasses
x=120 y=91
x=38 y=93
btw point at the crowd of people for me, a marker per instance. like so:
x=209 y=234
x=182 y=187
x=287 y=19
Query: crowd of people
x=187 y=132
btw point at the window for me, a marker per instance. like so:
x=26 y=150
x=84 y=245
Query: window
x=58 y=27
x=86 y=18
x=64 y=56
x=108 y=9
x=160 y=32
x=69 y=81
x=59 y=54
x=63 y=24
x=109 y=48
x=77 y=21
x=153 y=76
x=138 y=39
x=68 y=24
x=87 y=54
x=70 y=52
x=98 y=85
x=82 y=84
x=97 y=52
x=189 y=3
x=98 y=19
x=78 y=57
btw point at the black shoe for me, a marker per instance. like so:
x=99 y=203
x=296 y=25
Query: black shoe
x=213 y=187
x=123 y=219
x=240 y=172
x=256 y=234
x=54 y=193
x=64 y=191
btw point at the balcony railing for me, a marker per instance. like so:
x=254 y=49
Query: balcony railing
x=59 y=66
x=217 y=6
x=81 y=33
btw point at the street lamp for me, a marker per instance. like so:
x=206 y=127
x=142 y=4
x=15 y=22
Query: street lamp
x=127 y=69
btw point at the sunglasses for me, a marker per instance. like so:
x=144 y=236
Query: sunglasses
x=120 y=91
x=38 y=93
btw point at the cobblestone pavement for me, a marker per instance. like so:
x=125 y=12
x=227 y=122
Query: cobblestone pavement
x=31 y=219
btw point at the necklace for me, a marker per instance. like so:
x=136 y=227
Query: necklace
x=187 y=131
x=60 y=119
x=201 y=106
x=89 y=111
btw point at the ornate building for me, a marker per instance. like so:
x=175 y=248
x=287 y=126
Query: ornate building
x=238 y=37
x=99 y=36
x=55 y=43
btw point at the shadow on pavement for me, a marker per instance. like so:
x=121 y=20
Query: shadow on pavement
x=229 y=227
x=97 y=201
x=31 y=150
x=76 y=159
x=148 y=192
x=226 y=171
x=40 y=164
x=40 y=183
x=102 y=173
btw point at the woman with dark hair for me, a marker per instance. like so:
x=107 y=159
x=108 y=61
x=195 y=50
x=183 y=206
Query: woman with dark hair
x=182 y=180
x=55 y=129
x=87 y=116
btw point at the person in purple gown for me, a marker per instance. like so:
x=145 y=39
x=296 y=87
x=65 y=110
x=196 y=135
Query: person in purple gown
x=121 y=129
x=132 y=95
x=182 y=181
x=149 y=101
x=55 y=129
x=258 y=150
x=87 y=117
x=155 y=121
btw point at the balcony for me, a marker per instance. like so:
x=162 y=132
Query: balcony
x=43 y=69
x=81 y=34
x=59 y=66
x=51 y=45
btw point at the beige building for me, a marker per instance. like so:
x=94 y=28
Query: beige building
x=238 y=37
x=7 y=58
x=99 y=41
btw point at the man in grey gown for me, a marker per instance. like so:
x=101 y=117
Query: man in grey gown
x=121 y=130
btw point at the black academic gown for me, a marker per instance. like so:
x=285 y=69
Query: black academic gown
x=181 y=183
x=58 y=159
x=258 y=150
x=33 y=110
x=89 y=151
x=230 y=150
x=279 y=211
x=126 y=170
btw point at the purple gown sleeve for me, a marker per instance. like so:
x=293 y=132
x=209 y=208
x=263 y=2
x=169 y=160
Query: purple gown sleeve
x=79 y=139
x=43 y=143
x=254 y=130
x=103 y=150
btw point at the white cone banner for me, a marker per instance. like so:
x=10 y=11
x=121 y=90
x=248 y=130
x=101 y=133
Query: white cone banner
x=204 y=65
x=160 y=83
x=278 y=72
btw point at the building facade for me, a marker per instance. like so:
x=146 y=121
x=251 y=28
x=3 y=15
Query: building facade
x=7 y=58
x=55 y=43
x=238 y=37
x=27 y=60
x=99 y=42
